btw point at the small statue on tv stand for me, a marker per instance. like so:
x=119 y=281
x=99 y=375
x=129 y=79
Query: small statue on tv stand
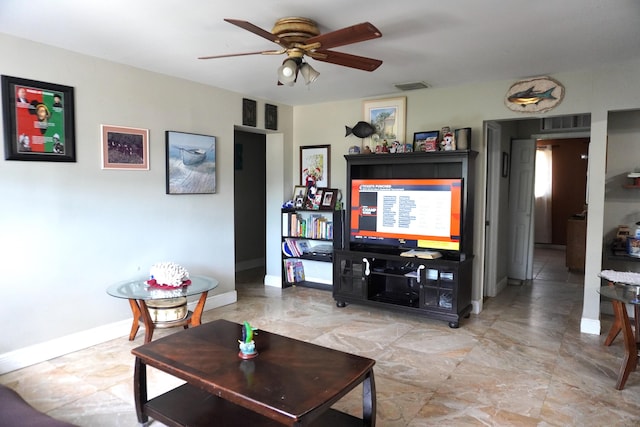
x=448 y=142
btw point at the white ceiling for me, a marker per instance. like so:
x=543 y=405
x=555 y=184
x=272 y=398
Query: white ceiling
x=443 y=43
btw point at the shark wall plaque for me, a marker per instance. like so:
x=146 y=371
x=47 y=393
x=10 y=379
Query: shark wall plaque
x=536 y=95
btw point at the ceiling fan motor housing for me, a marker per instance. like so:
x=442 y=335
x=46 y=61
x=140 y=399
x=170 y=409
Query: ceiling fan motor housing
x=295 y=29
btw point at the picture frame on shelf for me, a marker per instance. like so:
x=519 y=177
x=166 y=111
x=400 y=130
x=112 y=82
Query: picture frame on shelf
x=124 y=147
x=315 y=165
x=426 y=140
x=313 y=197
x=39 y=120
x=329 y=198
x=191 y=163
x=299 y=195
x=388 y=116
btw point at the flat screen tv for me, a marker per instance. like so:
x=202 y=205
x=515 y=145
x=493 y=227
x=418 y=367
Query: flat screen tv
x=406 y=213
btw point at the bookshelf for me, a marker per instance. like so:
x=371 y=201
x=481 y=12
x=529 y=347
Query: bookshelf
x=309 y=239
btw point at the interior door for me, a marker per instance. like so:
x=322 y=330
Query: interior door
x=522 y=175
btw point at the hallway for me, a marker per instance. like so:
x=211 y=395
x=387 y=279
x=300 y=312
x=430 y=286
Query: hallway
x=521 y=362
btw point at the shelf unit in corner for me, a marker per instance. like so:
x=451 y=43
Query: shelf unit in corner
x=309 y=239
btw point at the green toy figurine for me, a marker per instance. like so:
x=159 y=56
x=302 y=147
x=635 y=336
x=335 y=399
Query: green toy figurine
x=247 y=345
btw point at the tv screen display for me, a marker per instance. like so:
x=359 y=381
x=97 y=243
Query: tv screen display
x=406 y=213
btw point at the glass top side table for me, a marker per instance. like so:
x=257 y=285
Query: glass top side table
x=140 y=295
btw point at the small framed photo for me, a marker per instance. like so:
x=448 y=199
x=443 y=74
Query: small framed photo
x=124 y=147
x=329 y=197
x=299 y=193
x=38 y=120
x=313 y=198
x=426 y=140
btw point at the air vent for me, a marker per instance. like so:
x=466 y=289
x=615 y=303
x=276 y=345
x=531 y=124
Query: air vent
x=577 y=122
x=411 y=86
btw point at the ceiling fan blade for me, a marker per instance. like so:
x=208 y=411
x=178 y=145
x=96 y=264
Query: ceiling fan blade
x=353 y=34
x=346 y=59
x=262 y=52
x=257 y=31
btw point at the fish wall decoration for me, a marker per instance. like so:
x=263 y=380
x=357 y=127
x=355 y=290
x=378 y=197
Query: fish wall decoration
x=361 y=130
x=535 y=95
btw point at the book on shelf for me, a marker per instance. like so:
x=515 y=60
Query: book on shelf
x=294 y=270
x=315 y=226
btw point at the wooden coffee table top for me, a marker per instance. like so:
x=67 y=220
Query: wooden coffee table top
x=288 y=381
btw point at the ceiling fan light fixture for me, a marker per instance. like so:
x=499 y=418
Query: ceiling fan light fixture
x=309 y=73
x=288 y=71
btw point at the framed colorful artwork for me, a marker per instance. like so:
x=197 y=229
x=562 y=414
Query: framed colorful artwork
x=315 y=165
x=38 y=120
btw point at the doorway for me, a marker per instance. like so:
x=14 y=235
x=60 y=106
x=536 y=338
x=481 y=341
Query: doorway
x=250 y=206
x=497 y=235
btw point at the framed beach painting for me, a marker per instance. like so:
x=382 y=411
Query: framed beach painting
x=388 y=117
x=191 y=163
x=38 y=120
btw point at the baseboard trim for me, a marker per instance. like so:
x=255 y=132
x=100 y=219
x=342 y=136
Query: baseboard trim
x=590 y=326
x=273 y=281
x=27 y=356
x=476 y=306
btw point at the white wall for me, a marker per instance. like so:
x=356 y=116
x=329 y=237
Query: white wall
x=68 y=230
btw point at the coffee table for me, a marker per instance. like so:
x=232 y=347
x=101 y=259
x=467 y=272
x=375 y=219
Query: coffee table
x=290 y=382
x=138 y=293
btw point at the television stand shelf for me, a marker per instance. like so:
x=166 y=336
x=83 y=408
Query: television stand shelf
x=437 y=288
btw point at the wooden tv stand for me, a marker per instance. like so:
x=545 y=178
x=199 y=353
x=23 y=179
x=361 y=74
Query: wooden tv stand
x=437 y=288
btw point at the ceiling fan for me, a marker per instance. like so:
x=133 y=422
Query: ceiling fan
x=298 y=37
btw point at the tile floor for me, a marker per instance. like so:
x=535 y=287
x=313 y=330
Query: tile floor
x=521 y=362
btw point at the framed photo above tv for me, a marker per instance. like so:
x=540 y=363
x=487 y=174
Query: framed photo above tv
x=388 y=117
x=38 y=120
